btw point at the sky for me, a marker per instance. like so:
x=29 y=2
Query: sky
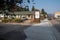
x=50 y=6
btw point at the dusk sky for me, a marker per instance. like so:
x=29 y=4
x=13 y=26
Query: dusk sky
x=50 y=6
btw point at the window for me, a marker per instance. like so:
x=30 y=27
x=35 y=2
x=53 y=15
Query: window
x=28 y=15
x=58 y=16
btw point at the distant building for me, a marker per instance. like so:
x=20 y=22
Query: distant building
x=21 y=15
x=57 y=15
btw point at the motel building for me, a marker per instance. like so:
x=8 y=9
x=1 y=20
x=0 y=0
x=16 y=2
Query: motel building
x=30 y=15
x=57 y=15
x=21 y=15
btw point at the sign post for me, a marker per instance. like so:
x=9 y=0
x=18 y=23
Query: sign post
x=37 y=17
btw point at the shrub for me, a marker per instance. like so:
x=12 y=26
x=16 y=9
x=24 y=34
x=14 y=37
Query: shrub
x=18 y=20
x=5 y=20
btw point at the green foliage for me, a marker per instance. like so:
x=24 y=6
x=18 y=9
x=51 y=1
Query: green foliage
x=18 y=20
x=6 y=20
x=28 y=1
x=43 y=13
x=11 y=6
x=33 y=8
x=1 y=4
x=0 y=12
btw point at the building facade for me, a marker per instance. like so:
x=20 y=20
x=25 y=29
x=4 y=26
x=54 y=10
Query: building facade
x=34 y=16
x=57 y=15
x=20 y=15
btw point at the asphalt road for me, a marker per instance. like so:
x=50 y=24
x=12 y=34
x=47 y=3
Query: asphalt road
x=12 y=32
x=56 y=25
x=42 y=31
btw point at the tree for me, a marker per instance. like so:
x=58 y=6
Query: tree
x=28 y=1
x=1 y=4
x=43 y=13
x=19 y=1
x=26 y=8
x=10 y=4
x=33 y=8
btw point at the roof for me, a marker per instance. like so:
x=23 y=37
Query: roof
x=22 y=13
x=57 y=12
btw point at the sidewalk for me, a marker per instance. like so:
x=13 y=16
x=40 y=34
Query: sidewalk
x=41 y=31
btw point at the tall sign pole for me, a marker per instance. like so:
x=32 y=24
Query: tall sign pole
x=37 y=17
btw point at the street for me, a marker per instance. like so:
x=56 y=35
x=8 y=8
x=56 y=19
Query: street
x=56 y=25
x=43 y=31
x=12 y=32
x=29 y=19
x=46 y=30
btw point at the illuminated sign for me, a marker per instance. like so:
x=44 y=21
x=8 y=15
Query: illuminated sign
x=37 y=14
